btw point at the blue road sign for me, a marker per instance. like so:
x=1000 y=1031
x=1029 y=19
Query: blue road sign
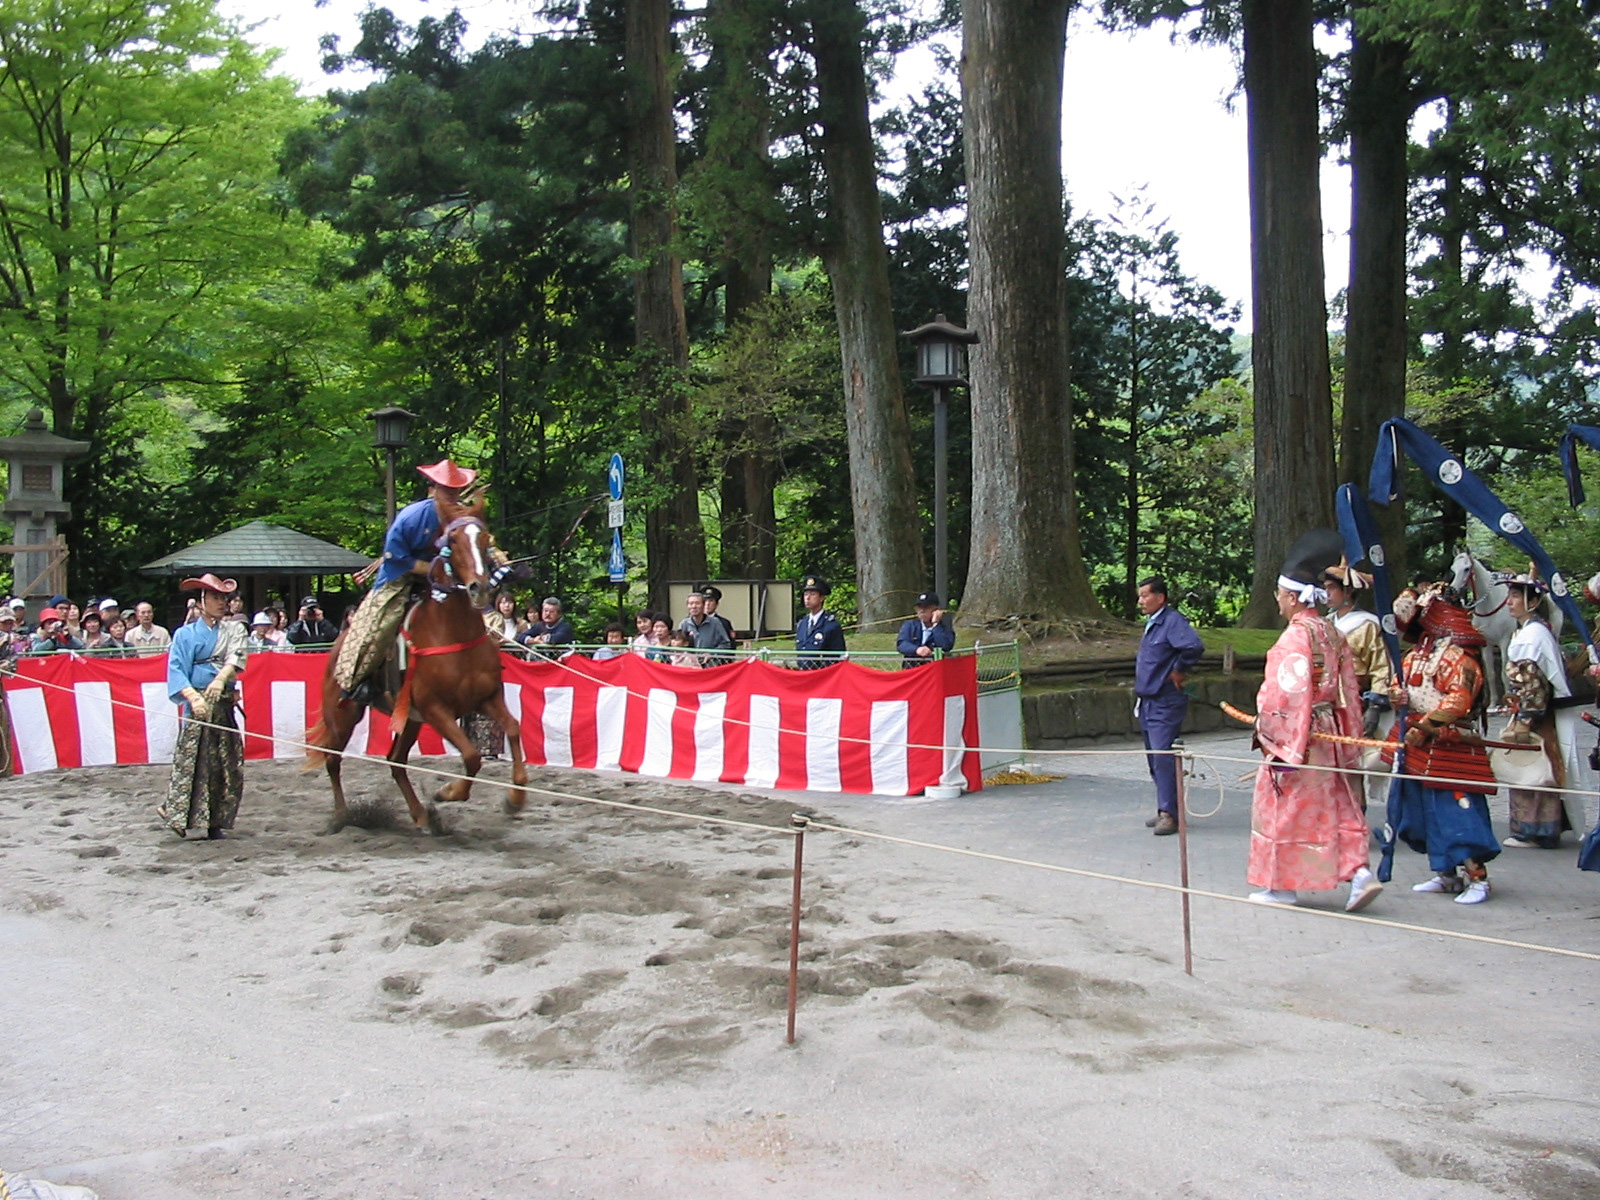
x=615 y=476
x=616 y=564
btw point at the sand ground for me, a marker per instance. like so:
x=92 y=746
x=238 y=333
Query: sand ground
x=589 y=1002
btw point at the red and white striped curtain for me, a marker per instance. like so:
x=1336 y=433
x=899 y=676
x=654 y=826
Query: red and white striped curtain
x=845 y=728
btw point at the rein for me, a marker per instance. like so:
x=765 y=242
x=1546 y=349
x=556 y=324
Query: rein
x=1471 y=574
x=451 y=648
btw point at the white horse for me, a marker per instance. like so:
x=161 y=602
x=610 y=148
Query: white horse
x=1493 y=619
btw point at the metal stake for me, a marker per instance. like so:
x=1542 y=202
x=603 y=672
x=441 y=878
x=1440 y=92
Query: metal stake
x=1183 y=862
x=799 y=821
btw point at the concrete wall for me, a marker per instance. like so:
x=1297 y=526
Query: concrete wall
x=1074 y=716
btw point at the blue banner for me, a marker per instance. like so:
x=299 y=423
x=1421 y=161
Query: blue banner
x=1569 y=458
x=1451 y=476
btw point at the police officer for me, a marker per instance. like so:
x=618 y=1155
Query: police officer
x=926 y=633
x=818 y=632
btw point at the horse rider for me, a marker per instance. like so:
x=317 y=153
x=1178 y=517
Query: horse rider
x=409 y=549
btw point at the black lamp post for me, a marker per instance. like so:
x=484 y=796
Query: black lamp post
x=941 y=364
x=391 y=431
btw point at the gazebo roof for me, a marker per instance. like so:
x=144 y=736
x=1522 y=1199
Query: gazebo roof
x=260 y=548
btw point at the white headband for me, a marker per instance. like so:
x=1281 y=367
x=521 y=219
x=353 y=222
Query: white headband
x=1309 y=593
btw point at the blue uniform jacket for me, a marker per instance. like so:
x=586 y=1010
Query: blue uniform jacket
x=410 y=538
x=914 y=633
x=818 y=633
x=1169 y=644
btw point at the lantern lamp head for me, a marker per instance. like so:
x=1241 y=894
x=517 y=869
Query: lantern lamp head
x=941 y=351
x=391 y=427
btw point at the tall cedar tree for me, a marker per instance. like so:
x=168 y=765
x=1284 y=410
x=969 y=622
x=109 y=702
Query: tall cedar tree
x=735 y=185
x=1025 y=560
x=1378 y=106
x=1289 y=352
x=674 y=538
x=890 y=568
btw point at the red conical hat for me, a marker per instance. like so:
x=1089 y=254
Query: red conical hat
x=210 y=583
x=446 y=474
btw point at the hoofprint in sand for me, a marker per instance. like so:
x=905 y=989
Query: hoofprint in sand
x=590 y=1002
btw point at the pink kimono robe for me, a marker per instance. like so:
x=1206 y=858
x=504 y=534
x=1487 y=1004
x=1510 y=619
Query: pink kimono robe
x=1308 y=830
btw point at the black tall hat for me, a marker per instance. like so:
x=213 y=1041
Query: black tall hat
x=1313 y=553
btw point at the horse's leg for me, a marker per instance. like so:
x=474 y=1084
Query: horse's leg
x=496 y=707
x=424 y=817
x=441 y=718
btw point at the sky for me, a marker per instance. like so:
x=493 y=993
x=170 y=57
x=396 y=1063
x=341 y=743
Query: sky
x=1138 y=112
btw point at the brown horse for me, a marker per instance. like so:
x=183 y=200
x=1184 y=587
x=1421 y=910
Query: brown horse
x=454 y=670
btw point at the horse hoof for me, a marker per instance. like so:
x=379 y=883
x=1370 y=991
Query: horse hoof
x=435 y=824
x=335 y=824
x=514 y=805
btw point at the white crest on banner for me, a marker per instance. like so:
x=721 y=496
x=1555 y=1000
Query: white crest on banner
x=1558 y=585
x=1511 y=523
x=1389 y=624
x=1375 y=554
x=1450 y=471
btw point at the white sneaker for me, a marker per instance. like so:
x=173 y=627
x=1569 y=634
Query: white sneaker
x=1476 y=892
x=1364 y=889
x=1439 y=883
x=1278 y=896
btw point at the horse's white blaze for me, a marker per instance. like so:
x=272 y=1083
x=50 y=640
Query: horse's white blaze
x=473 y=530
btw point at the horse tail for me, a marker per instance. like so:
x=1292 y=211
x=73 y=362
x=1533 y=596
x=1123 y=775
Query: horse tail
x=317 y=745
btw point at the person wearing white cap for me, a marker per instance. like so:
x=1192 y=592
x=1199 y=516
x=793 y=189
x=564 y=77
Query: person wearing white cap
x=10 y=645
x=261 y=634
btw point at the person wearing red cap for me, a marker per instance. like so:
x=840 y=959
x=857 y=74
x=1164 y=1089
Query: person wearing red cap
x=409 y=549
x=204 y=659
x=52 y=634
x=1443 y=812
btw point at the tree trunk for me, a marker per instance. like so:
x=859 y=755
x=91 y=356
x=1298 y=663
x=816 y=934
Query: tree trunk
x=890 y=568
x=1379 y=110
x=740 y=141
x=1294 y=473
x=674 y=539
x=1024 y=560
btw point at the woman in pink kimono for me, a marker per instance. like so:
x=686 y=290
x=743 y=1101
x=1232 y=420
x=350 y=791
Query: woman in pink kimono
x=1308 y=829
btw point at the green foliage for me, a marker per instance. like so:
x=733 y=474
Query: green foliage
x=1163 y=444
x=141 y=231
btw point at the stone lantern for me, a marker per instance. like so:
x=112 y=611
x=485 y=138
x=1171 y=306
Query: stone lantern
x=36 y=458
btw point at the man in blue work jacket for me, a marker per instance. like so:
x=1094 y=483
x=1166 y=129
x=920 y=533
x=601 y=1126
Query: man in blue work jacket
x=1168 y=650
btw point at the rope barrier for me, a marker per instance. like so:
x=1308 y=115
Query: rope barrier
x=1106 y=877
x=1034 y=864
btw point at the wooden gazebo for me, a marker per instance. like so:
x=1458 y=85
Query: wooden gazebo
x=268 y=560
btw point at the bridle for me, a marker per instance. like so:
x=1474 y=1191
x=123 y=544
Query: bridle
x=442 y=573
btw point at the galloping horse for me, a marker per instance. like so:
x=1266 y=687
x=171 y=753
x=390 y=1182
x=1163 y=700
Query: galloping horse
x=1489 y=614
x=454 y=670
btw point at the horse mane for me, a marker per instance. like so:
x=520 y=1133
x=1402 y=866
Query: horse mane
x=451 y=512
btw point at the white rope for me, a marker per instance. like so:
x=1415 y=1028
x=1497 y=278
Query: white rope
x=792 y=831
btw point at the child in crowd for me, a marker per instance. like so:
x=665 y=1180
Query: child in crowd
x=680 y=643
x=616 y=643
